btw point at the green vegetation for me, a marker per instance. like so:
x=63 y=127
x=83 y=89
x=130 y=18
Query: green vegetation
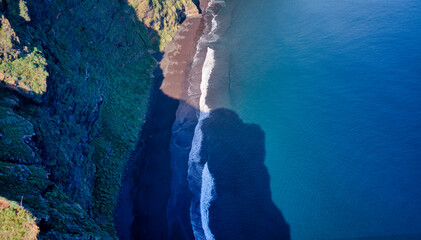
x=29 y=71
x=163 y=17
x=16 y=222
x=23 y=10
x=61 y=215
x=8 y=40
x=20 y=68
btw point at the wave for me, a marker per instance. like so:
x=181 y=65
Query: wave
x=200 y=180
x=195 y=166
x=208 y=66
x=205 y=39
x=221 y=2
x=213 y=37
x=207 y=195
x=194 y=155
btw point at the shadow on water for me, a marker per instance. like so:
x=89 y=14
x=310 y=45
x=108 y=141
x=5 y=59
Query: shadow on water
x=156 y=199
x=235 y=153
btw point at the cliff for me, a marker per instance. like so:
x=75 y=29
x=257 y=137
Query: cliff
x=74 y=84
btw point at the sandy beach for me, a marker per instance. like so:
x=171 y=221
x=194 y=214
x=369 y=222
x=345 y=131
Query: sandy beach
x=178 y=57
x=141 y=211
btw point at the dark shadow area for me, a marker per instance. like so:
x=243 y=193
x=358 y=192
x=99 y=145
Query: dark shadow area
x=142 y=207
x=235 y=153
x=197 y=3
x=152 y=189
x=178 y=214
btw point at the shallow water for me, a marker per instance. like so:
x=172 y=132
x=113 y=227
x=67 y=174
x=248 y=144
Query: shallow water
x=335 y=86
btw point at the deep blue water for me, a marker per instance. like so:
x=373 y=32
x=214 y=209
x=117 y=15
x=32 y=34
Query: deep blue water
x=336 y=88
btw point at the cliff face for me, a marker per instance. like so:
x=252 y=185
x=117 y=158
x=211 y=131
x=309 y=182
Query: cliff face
x=75 y=78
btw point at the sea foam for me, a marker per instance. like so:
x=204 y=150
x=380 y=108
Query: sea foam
x=206 y=197
x=200 y=179
x=208 y=65
x=194 y=156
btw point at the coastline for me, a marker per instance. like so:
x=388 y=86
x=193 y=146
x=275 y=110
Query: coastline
x=179 y=55
x=141 y=210
x=188 y=212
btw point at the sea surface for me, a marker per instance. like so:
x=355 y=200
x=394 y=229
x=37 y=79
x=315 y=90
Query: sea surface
x=310 y=121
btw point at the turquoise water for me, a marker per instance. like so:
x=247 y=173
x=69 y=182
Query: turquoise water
x=336 y=88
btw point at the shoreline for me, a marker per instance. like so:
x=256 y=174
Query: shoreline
x=178 y=56
x=146 y=185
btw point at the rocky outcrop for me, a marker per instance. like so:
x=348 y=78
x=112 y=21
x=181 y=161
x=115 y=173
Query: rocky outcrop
x=22 y=67
x=163 y=17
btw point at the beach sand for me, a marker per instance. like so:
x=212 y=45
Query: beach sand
x=141 y=211
x=178 y=58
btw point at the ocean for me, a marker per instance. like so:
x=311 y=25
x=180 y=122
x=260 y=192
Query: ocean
x=309 y=121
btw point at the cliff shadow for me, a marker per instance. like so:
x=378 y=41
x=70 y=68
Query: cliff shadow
x=152 y=189
x=235 y=154
x=142 y=208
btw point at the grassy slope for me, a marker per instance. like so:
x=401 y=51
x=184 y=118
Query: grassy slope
x=162 y=17
x=17 y=223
